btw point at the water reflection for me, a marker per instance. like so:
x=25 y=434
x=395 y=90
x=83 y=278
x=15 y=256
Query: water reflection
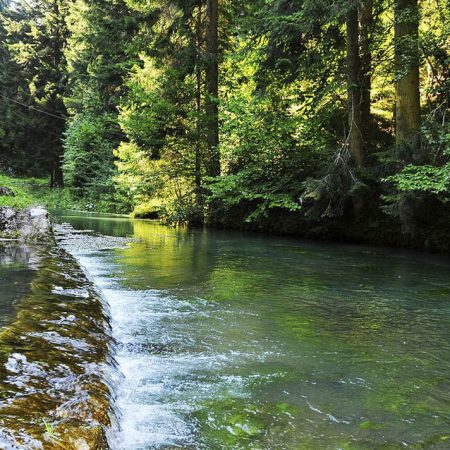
x=231 y=340
x=55 y=364
x=17 y=267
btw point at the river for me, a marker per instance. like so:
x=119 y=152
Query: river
x=227 y=340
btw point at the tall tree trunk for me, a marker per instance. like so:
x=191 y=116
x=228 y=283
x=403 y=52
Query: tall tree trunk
x=212 y=89
x=354 y=87
x=198 y=156
x=407 y=111
x=366 y=24
x=198 y=101
x=57 y=177
x=56 y=103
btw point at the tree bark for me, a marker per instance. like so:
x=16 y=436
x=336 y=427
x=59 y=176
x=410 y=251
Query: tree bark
x=198 y=102
x=354 y=87
x=212 y=89
x=366 y=24
x=407 y=111
x=57 y=103
x=57 y=177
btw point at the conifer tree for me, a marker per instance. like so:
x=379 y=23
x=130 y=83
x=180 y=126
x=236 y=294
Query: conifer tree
x=36 y=34
x=407 y=72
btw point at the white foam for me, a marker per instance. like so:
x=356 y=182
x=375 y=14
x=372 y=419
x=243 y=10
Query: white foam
x=170 y=367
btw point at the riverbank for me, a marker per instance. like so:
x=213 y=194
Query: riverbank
x=368 y=226
x=35 y=191
x=432 y=234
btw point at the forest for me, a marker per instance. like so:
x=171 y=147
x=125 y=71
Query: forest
x=224 y=224
x=323 y=119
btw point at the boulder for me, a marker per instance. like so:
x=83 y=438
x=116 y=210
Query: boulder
x=30 y=224
x=6 y=192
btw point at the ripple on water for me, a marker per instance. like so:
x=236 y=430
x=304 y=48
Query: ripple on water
x=328 y=347
x=55 y=387
x=167 y=371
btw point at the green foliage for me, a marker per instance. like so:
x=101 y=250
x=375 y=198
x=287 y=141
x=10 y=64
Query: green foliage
x=23 y=190
x=33 y=81
x=262 y=156
x=132 y=78
x=160 y=119
x=36 y=192
x=326 y=197
x=427 y=179
x=99 y=54
x=88 y=160
x=420 y=179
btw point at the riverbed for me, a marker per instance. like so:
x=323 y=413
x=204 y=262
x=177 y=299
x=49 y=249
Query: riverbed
x=227 y=340
x=57 y=373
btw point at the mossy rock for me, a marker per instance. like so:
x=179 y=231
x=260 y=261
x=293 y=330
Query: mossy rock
x=6 y=192
x=30 y=224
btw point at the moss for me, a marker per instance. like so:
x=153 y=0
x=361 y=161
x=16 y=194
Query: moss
x=40 y=409
x=239 y=424
x=368 y=425
x=9 y=235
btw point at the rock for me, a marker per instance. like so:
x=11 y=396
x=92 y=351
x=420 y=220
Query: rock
x=11 y=253
x=30 y=224
x=7 y=192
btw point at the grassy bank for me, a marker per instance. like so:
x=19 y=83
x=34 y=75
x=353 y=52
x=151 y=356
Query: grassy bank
x=35 y=191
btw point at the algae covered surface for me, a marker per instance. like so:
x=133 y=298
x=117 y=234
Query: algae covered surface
x=55 y=373
x=239 y=341
x=223 y=341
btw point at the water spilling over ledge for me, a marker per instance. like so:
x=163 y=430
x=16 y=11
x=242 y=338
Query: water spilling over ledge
x=223 y=341
x=55 y=365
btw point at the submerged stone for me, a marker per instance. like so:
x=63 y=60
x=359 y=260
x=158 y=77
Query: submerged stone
x=30 y=224
x=55 y=375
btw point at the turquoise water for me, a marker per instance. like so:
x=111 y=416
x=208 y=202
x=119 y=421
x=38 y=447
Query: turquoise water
x=241 y=341
x=17 y=269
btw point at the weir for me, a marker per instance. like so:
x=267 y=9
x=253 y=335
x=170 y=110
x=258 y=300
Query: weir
x=56 y=368
x=132 y=335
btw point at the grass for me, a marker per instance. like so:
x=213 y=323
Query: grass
x=35 y=192
x=25 y=190
x=49 y=429
x=51 y=434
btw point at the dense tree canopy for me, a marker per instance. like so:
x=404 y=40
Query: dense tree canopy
x=312 y=117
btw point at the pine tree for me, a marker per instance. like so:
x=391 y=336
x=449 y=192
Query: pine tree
x=354 y=86
x=36 y=34
x=212 y=88
x=99 y=56
x=407 y=73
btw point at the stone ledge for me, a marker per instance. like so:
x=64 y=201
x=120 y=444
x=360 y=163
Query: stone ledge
x=29 y=224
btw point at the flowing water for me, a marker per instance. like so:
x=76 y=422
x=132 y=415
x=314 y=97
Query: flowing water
x=56 y=373
x=17 y=269
x=223 y=340
x=241 y=341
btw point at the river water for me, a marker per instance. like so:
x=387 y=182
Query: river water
x=17 y=269
x=241 y=341
x=223 y=340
